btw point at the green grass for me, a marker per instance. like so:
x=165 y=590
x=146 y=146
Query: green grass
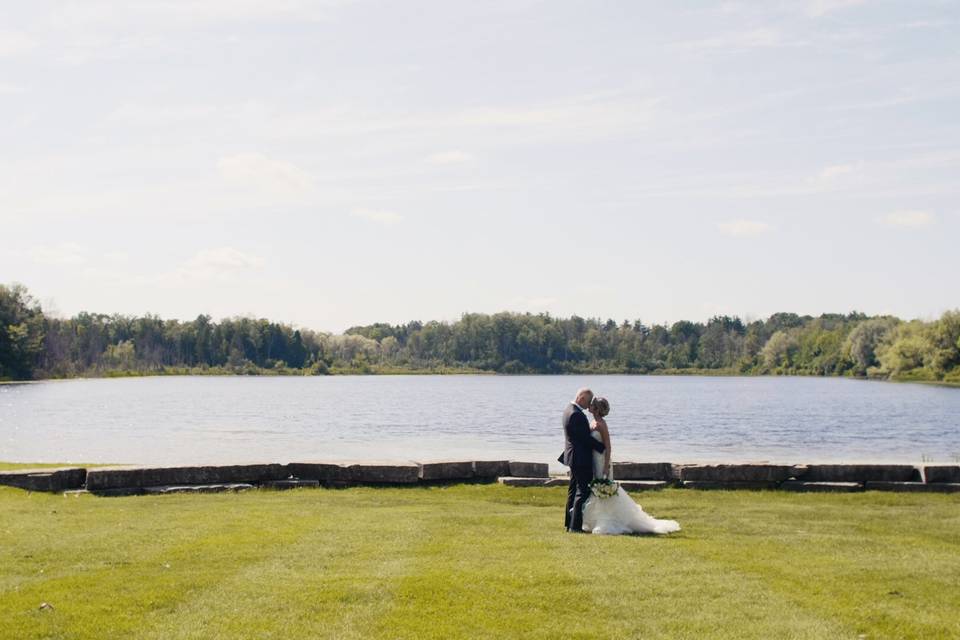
x=475 y=561
x=7 y=466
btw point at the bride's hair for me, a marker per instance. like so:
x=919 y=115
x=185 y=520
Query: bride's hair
x=600 y=406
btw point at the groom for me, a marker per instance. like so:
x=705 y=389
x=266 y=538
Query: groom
x=578 y=455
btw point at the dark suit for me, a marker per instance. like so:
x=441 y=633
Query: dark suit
x=577 y=454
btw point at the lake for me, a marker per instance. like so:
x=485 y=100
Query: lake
x=180 y=420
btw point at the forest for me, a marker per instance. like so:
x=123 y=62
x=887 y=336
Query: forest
x=34 y=345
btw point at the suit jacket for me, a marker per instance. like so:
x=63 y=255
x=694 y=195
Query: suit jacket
x=578 y=445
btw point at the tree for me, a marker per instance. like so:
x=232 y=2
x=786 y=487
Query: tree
x=21 y=332
x=861 y=343
x=297 y=353
x=121 y=356
x=904 y=349
x=944 y=337
x=779 y=350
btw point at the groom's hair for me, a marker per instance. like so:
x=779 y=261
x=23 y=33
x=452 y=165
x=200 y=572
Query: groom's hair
x=584 y=391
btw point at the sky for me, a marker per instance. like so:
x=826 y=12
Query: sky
x=335 y=163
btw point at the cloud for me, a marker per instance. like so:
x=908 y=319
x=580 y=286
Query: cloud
x=13 y=43
x=744 y=228
x=64 y=253
x=107 y=13
x=276 y=177
x=753 y=39
x=226 y=258
x=578 y=118
x=536 y=305
x=160 y=115
x=219 y=263
x=116 y=256
x=449 y=157
x=820 y=8
x=837 y=170
x=834 y=177
x=597 y=114
x=908 y=219
x=380 y=216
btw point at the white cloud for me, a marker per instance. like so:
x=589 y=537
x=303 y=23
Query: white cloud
x=226 y=258
x=116 y=256
x=819 y=8
x=837 y=170
x=834 y=177
x=13 y=43
x=581 y=117
x=219 y=263
x=744 y=228
x=449 y=157
x=588 y=112
x=753 y=39
x=535 y=305
x=114 y=276
x=381 y=216
x=150 y=114
x=107 y=13
x=64 y=253
x=908 y=219
x=276 y=177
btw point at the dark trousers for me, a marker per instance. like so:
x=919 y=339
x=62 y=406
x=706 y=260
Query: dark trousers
x=577 y=494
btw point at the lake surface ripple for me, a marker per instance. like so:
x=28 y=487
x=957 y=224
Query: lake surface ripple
x=180 y=420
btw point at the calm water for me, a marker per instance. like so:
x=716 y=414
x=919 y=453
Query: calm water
x=680 y=419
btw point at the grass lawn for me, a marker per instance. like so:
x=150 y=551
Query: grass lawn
x=476 y=561
x=11 y=466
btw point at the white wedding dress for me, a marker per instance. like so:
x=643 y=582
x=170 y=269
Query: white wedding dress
x=619 y=514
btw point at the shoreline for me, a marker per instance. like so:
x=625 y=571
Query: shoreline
x=699 y=373
x=632 y=476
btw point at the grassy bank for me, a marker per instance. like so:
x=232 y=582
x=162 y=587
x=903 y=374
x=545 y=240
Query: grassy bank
x=476 y=562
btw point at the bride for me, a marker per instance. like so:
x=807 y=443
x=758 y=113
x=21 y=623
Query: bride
x=618 y=514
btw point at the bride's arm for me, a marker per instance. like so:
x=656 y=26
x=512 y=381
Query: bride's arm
x=605 y=434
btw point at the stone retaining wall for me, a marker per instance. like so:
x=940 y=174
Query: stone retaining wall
x=56 y=480
x=635 y=476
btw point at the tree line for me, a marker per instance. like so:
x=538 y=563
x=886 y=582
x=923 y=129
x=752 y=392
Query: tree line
x=35 y=345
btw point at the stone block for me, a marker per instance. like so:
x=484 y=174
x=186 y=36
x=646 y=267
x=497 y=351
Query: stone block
x=643 y=485
x=198 y=488
x=821 y=487
x=645 y=471
x=117 y=477
x=738 y=473
x=938 y=473
x=118 y=492
x=446 y=470
x=714 y=484
x=290 y=484
x=526 y=482
x=383 y=473
x=50 y=479
x=491 y=468
x=860 y=473
x=529 y=469
x=327 y=473
x=920 y=487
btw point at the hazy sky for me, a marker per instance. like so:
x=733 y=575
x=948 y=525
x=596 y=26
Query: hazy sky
x=336 y=163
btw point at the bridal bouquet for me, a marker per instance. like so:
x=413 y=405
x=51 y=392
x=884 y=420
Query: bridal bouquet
x=603 y=488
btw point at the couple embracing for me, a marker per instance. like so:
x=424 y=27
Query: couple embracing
x=606 y=509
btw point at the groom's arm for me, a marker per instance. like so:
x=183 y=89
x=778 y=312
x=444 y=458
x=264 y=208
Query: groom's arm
x=580 y=432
